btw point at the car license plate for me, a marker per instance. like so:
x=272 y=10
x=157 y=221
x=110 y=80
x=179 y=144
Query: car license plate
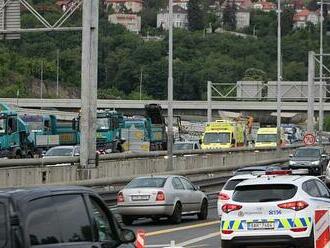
x=261 y=225
x=140 y=197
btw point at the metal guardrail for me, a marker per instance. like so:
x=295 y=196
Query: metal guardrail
x=124 y=156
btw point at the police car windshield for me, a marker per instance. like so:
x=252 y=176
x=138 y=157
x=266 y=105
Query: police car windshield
x=264 y=193
x=231 y=184
x=266 y=138
x=308 y=153
x=156 y=182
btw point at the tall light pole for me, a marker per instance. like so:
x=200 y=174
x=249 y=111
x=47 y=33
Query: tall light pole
x=279 y=74
x=57 y=71
x=321 y=111
x=170 y=89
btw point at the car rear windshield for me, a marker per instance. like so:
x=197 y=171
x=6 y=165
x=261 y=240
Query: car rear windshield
x=158 y=182
x=264 y=193
x=231 y=184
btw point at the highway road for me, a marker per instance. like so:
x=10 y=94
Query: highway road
x=190 y=233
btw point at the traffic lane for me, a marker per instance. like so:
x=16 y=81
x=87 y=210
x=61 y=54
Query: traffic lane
x=191 y=231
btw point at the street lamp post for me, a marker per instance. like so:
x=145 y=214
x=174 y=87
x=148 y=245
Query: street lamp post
x=279 y=72
x=170 y=137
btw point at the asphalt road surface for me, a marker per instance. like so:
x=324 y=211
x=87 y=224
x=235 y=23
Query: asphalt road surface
x=190 y=233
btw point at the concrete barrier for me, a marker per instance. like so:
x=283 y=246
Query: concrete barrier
x=128 y=166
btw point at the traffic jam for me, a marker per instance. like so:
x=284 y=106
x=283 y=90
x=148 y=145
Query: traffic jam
x=263 y=206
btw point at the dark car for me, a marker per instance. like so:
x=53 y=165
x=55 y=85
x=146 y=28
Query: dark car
x=315 y=159
x=58 y=217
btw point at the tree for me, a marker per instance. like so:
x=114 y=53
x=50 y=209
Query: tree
x=229 y=16
x=254 y=74
x=312 y=5
x=287 y=21
x=196 y=15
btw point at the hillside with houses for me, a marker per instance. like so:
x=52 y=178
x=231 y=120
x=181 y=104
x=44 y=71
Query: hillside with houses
x=223 y=41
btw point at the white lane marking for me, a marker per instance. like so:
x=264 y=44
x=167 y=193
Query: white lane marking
x=196 y=240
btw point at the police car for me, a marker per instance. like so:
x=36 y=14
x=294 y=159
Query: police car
x=228 y=189
x=273 y=210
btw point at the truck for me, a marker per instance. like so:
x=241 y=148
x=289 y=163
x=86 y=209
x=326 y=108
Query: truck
x=156 y=127
x=108 y=134
x=14 y=135
x=267 y=137
x=47 y=132
x=224 y=134
x=145 y=133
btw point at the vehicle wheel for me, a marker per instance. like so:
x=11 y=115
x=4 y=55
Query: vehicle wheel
x=18 y=155
x=202 y=215
x=176 y=217
x=127 y=220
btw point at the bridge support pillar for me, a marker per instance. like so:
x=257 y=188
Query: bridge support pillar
x=89 y=84
x=311 y=91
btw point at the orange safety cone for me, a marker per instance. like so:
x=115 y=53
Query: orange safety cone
x=140 y=235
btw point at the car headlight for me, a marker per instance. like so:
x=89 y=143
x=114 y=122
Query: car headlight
x=315 y=162
x=292 y=162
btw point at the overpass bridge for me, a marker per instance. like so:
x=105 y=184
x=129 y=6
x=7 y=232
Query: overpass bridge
x=74 y=105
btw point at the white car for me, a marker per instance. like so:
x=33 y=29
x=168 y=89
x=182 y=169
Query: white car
x=227 y=191
x=273 y=210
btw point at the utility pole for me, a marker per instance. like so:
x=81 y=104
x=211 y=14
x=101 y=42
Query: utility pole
x=279 y=74
x=57 y=71
x=141 y=80
x=170 y=137
x=209 y=101
x=41 y=78
x=321 y=110
x=89 y=85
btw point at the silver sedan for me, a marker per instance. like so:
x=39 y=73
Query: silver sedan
x=161 y=196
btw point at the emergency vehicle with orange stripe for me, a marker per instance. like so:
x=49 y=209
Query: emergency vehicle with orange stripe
x=275 y=209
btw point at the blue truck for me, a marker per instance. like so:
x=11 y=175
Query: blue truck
x=15 y=139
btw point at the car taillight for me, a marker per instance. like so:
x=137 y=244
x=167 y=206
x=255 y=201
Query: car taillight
x=302 y=229
x=120 y=197
x=227 y=231
x=223 y=196
x=160 y=196
x=227 y=208
x=296 y=205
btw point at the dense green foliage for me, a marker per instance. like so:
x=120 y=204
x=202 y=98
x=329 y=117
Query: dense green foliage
x=125 y=58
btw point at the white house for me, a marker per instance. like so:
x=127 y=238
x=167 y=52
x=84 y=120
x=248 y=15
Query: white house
x=302 y=17
x=134 y=6
x=131 y=21
x=180 y=18
x=242 y=19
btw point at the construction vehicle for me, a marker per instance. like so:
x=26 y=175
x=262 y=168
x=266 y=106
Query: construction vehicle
x=267 y=137
x=14 y=135
x=136 y=132
x=145 y=133
x=156 y=127
x=46 y=132
x=108 y=135
x=223 y=134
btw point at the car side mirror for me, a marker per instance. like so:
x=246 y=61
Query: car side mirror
x=127 y=236
x=197 y=187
